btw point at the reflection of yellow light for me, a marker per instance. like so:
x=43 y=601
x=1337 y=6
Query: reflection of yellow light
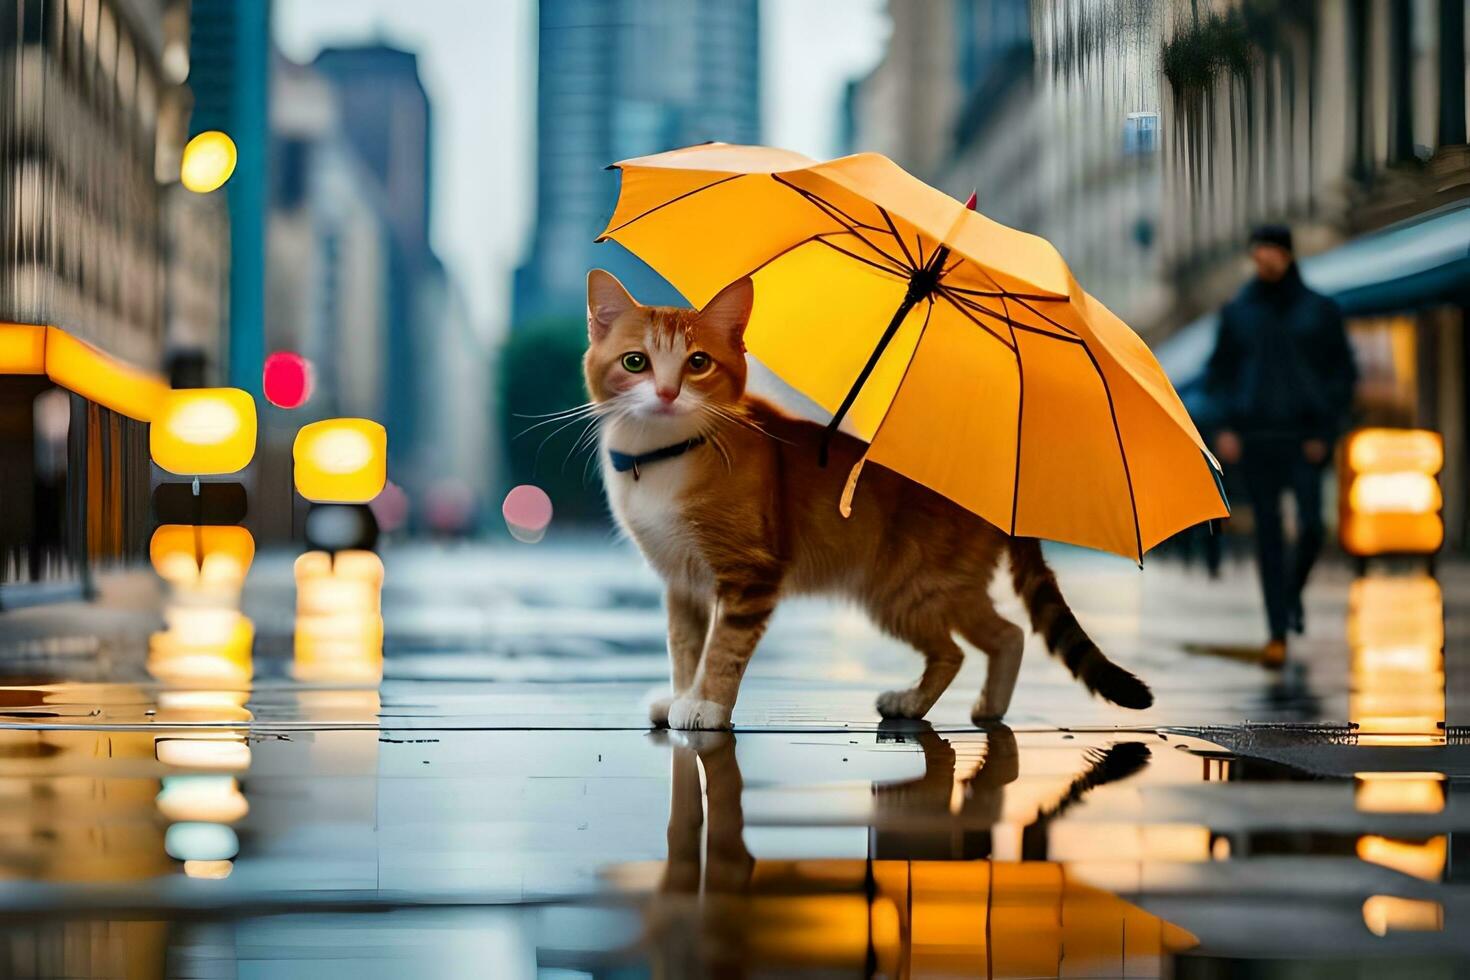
x=1399 y=792
x=341 y=461
x=202 y=645
x=208 y=869
x=201 y=431
x=1383 y=914
x=213 y=798
x=339 y=621
x=209 y=159
x=22 y=349
x=99 y=378
x=222 y=754
x=1395 y=450
x=1396 y=633
x=1395 y=493
x=1426 y=860
x=230 y=549
x=196 y=705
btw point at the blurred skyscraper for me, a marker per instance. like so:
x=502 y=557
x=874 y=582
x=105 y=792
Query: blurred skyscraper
x=617 y=79
x=229 y=74
x=354 y=273
x=385 y=116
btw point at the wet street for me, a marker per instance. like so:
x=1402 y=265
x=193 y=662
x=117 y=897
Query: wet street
x=497 y=806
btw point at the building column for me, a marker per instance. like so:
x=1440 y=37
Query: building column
x=1451 y=72
x=1401 y=83
x=1359 y=66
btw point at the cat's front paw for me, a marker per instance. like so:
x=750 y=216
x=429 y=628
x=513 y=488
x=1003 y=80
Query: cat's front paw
x=658 y=710
x=692 y=714
x=908 y=703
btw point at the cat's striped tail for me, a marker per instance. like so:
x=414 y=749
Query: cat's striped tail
x=1065 y=638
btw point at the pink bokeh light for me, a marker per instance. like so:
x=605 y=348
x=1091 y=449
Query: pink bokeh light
x=527 y=511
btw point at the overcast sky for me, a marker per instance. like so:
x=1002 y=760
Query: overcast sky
x=478 y=62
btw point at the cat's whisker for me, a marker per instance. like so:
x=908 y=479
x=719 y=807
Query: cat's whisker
x=714 y=440
x=737 y=418
x=587 y=440
x=548 y=415
x=536 y=460
x=570 y=415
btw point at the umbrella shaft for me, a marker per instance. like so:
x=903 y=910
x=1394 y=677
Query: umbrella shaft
x=920 y=284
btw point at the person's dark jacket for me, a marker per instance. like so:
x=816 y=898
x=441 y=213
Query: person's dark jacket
x=1282 y=366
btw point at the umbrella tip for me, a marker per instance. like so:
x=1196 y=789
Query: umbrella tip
x=970 y=204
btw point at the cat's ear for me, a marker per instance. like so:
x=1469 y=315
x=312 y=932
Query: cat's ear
x=606 y=301
x=729 y=312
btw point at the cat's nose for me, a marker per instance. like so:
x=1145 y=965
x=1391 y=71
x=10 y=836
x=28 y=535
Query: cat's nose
x=667 y=395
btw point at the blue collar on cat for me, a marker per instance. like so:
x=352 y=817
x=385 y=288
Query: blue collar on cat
x=623 y=462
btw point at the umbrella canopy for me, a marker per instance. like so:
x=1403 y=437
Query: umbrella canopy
x=962 y=350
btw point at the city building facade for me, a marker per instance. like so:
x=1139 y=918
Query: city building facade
x=92 y=107
x=1145 y=137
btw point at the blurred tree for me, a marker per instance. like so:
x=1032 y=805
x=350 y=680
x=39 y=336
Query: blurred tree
x=540 y=374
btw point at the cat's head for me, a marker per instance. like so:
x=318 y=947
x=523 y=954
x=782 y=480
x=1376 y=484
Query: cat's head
x=664 y=363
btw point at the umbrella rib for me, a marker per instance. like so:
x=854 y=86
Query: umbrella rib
x=888 y=220
x=824 y=204
x=1045 y=317
x=1020 y=413
x=1068 y=336
x=673 y=200
x=1122 y=451
x=972 y=318
x=891 y=270
x=914 y=353
x=844 y=219
x=789 y=248
x=998 y=292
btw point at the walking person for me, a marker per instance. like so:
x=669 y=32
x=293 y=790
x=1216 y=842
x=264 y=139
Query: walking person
x=1280 y=385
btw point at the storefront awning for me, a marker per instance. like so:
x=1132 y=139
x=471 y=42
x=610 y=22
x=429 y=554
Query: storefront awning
x=34 y=349
x=1418 y=263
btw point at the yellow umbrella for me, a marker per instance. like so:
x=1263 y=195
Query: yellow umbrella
x=997 y=381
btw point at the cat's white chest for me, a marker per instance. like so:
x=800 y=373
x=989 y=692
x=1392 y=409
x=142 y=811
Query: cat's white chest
x=649 y=510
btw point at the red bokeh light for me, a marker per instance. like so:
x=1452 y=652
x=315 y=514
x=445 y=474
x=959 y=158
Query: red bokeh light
x=287 y=380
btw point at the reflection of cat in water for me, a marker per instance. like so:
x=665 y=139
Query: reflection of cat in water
x=744 y=906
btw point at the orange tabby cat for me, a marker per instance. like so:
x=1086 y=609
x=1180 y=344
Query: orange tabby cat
x=724 y=495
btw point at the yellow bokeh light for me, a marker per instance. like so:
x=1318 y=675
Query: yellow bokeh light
x=341 y=461
x=209 y=160
x=1383 y=914
x=1424 y=860
x=1395 y=493
x=1395 y=450
x=1390 y=496
x=1399 y=792
x=204 y=431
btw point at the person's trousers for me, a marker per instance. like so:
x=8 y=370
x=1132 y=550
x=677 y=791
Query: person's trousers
x=1270 y=470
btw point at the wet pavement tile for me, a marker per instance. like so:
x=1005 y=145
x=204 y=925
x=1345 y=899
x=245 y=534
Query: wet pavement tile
x=497 y=806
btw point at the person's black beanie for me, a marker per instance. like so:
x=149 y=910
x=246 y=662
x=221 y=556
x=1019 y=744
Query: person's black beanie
x=1278 y=235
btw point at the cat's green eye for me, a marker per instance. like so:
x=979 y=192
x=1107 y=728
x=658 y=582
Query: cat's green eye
x=698 y=361
x=633 y=362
